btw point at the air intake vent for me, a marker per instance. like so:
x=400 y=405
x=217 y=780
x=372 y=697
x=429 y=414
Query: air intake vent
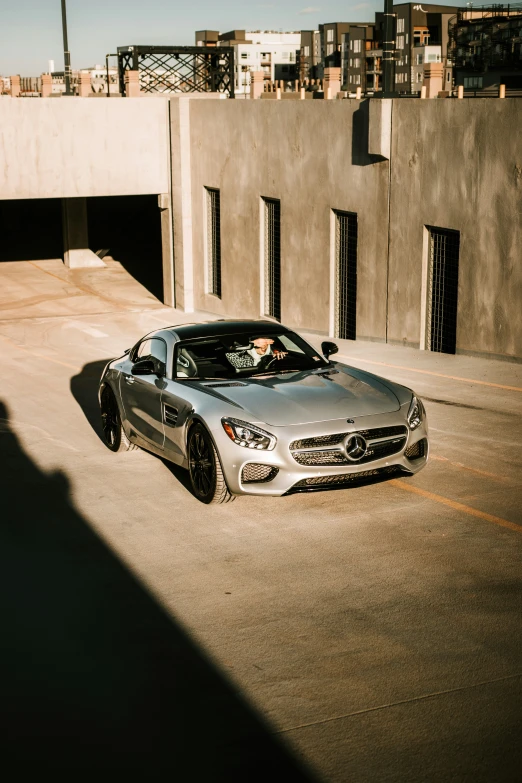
x=254 y=473
x=416 y=451
x=170 y=415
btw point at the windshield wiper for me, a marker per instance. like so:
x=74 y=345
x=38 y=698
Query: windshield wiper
x=273 y=372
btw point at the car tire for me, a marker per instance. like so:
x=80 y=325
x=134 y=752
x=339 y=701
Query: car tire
x=206 y=475
x=114 y=435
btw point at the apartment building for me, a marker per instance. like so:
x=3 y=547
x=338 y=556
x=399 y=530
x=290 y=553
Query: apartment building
x=272 y=52
x=309 y=55
x=361 y=58
x=486 y=48
x=421 y=37
x=331 y=42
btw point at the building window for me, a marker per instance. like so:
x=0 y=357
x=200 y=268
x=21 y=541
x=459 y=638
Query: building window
x=213 y=242
x=329 y=49
x=329 y=35
x=244 y=55
x=473 y=82
x=272 y=257
x=357 y=62
x=357 y=45
x=400 y=25
x=418 y=59
x=443 y=281
x=307 y=51
x=400 y=42
x=357 y=78
x=345 y=275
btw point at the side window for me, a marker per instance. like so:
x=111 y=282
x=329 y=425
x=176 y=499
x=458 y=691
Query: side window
x=154 y=349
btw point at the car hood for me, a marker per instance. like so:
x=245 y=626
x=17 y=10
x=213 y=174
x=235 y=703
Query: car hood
x=306 y=397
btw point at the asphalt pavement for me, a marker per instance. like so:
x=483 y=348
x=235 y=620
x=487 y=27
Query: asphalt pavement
x=354 y=635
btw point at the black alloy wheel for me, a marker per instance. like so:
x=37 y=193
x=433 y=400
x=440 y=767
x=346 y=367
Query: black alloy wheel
x=206 y=475
x=113 y=432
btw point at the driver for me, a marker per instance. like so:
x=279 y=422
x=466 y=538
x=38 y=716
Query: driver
x=262 y=346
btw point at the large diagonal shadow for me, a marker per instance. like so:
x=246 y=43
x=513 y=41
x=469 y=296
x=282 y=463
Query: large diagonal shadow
x=97 y=677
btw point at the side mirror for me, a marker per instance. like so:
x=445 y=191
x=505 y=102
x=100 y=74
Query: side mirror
x=144 y=367
x=328 y=349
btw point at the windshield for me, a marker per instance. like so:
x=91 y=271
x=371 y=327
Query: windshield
x=244 y=355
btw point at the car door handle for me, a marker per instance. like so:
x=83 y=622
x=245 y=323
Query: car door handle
x=129 y=379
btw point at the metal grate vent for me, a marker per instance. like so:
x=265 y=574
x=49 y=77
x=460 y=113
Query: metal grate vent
x=332 y=440
x=214 y=241
x=272 y=260
x=377 y=450
x=254 y=473
x=343 y=478
x=345 y=275
x=443 y=283
x=417 y=450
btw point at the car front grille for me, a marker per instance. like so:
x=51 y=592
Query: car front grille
x=334 y=440
x=254 y=473
x=320 y=454
x=344 y=478
x=417 y=450
x=375 y=451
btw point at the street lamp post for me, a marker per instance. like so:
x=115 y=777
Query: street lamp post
x=66 y=52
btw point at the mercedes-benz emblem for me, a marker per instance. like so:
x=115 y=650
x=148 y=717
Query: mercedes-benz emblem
x=355 y=446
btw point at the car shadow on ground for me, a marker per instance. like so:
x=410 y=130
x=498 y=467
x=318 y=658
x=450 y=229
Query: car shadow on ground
x=98 y=677
x=84 y=388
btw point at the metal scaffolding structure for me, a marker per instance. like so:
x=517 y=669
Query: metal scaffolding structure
x=178 y=69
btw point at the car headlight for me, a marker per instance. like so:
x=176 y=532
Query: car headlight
x=415 y=413
x=248 y=435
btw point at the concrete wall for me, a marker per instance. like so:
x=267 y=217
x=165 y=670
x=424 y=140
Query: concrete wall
x=312 y=155
x=70 y=147
x=451 y=164
x=454 y=164
x=458 y=165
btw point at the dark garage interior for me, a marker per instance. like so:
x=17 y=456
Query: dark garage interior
x=31 y=229
x=128 y=228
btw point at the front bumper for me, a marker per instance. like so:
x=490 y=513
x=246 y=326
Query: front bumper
x=291 y=475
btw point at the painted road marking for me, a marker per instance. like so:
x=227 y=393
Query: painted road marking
x=430 y=372
x=90 y=330
x=460 y=465
x=456 y=506
x=38 y=355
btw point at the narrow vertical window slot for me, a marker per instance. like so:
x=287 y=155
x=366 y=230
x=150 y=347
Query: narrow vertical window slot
x=272 y=258
x=213 y=241
x=443 y=281
x=345 y=275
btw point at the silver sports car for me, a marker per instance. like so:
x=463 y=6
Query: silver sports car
x=249 y=407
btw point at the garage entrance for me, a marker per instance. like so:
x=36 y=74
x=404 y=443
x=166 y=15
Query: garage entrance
x=128 y=228
x=31 y=229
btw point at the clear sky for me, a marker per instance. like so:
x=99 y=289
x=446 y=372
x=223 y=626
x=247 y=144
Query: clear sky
x=31 y=31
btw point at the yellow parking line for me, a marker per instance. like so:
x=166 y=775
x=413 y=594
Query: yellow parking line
x=38 y=355
x=460 y=465
x=474 y=512
x=437 y=374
